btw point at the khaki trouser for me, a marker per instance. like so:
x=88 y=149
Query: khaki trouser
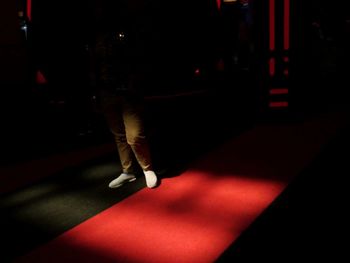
x=124 y=115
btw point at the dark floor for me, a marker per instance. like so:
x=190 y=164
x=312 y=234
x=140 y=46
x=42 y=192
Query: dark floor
x=308 y=221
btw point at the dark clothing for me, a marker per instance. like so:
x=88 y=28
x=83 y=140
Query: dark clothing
x=124 y=38
x=123 y=55
x=163 y=44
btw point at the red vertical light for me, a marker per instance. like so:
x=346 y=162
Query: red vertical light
x=286 y=18
x=218 y=2
x=275 y=57
x=29 y=9
x=272 y=26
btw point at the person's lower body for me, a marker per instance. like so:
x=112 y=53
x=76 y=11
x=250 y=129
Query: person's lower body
x=124 y=115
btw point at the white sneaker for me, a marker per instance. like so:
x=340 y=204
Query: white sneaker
x=151 y=179
x=121 y=179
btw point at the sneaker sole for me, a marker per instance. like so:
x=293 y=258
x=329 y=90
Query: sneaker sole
x=118 y=185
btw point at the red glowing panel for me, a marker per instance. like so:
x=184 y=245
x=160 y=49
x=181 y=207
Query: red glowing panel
x=272 y=25
x=279 y=91
x=40 y=78
x=29 y=9
x=278 y=104
x=286 y=40
x=218 y=3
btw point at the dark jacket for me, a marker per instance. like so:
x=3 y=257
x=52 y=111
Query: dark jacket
x=123 y=47
x=162 y=42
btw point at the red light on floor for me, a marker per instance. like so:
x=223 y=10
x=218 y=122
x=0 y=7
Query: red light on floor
x=279 y=91
x=197 y=72
x=278 y=104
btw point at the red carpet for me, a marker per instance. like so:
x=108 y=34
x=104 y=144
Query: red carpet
x=195 y=216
